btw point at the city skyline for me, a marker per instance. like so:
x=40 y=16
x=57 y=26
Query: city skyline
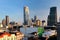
x=14 y=8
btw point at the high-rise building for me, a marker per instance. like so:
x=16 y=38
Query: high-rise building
x=32 y=19
x=26 y=15
x=7 y=20
x=59 y=19
x=35 y=18
x=43 y=21
x=38 y=23
x=4 y=22
x=52 y=17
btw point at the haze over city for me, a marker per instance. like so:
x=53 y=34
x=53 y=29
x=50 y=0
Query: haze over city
x=29 y=20
x=14 y=8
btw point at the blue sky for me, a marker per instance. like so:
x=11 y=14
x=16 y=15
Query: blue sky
x=14 y=8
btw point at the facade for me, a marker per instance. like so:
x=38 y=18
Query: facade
x=38 y=23
x=26 y=15
x=59 y=19
x=58 y=30
x=4 y=22
x=52 y=17
x=1 y=25
x=32 y=19
x=7 y=20
x=35 y=18
x=43 y=23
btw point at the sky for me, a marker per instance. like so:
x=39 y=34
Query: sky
x=14 y=9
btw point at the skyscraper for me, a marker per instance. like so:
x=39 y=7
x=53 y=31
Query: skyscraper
x=35 y=18
x=52 y=17
x=7 y=20
x=26 y=15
